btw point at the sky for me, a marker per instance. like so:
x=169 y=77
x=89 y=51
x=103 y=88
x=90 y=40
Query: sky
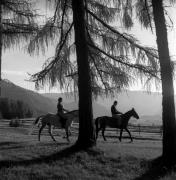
x=17 y=64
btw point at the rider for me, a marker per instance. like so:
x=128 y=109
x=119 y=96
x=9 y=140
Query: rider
x=114 y=111
x=60 y=112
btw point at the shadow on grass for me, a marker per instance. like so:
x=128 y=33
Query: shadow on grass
x=156 y=170
x=40 y=144
x=9 y=145
x=47 y=159
x=134 y=138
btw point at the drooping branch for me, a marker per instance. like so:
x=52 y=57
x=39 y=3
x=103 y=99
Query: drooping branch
x=109 y=50
x=18 y=22
x=62 y=21
x=95 y=63
x=119 y=60
x=148 y=15
x=14 y=27
x=122 y=35
x=55 y=13
x=41 y=75
x=21 y=8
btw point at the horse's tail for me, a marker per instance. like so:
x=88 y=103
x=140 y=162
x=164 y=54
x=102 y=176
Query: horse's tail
x=33 y=124
x=97 y=124
x=37 y=119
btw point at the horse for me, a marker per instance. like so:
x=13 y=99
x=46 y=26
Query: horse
x=54 y=120
x=113 y=122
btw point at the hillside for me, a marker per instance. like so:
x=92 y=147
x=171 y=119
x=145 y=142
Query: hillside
x=37 y=103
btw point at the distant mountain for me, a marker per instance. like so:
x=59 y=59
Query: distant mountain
x=36 y=102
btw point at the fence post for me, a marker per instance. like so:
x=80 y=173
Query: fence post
x=139 y=127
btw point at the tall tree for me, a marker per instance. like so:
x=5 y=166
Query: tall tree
x=86 y=136
x=103 y=55
x=147 y=12
x=169 y=128
x=0 y=45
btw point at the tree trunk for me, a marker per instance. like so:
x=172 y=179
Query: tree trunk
x=168 y=114
x=0 y=45
x=86 y=137
x=0 y=54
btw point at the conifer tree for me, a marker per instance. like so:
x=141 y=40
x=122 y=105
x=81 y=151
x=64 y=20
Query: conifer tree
x=149 y=13
x=111 y=59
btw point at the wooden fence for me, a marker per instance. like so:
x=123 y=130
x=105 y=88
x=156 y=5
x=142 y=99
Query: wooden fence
x=137 y=131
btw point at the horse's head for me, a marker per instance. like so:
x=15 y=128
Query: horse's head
x=134 y=113
x=73 y=115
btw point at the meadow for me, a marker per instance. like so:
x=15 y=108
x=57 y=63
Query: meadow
x=22 y=157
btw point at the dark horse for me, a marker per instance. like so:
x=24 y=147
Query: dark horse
x=112 y=122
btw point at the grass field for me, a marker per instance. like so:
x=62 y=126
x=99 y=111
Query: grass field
x=23 y=157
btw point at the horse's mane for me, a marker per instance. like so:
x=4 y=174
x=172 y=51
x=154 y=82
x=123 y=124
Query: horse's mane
x=126 y=113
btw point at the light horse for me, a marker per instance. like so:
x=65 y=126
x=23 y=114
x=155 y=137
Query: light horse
x=54 y=120
x=112 y=122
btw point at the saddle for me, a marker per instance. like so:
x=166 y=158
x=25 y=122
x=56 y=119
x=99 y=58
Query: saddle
x=117 y=118
x=62 y=120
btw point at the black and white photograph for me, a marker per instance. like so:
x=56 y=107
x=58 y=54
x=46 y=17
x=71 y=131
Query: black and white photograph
x=87 y=90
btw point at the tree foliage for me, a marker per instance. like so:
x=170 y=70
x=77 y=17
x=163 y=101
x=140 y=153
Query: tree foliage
x=16 y=24
x=17 y=21
x=116 y=59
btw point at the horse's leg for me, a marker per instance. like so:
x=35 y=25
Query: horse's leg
x=129 y=134
x=103 y=130
x=97 y=130
x=121 y=131
x=49 y=130
x=40 y=130
x=67 y=134
x=69 y=131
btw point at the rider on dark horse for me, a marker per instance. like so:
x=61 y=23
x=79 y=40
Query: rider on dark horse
x=115 y=113
x=60 y=112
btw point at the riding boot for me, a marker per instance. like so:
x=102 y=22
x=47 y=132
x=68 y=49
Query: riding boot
x=63 y=122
